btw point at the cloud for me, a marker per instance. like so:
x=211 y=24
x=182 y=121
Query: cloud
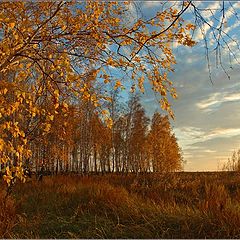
x=209 y=151
x=189 y=137
x=211 y=13
x=213 y=99
x=222 y=132
x=212 y=8
x=231 y=11
x=131 y=15
x=202 y=150
x=203 y=31
x=199 y=135
x=216 y=100
x=151 y=4
x=233 y=97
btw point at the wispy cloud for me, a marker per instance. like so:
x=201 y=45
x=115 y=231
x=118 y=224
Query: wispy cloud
x=232 y=97
x=212 y=100
x=209 y=151
x=190 y=136
x=216 y=100
x=222 y=132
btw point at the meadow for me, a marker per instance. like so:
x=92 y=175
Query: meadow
x=173 y=205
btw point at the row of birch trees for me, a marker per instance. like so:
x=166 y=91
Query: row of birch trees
x=81 y=142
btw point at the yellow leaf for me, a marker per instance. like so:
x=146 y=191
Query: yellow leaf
x=11 y=25
x=64 y=27
x=47 y=127
x=65 y=105
x=56 y=105
x=110 y=61
x=28 y=65
x=56 y=93
x=104 y=112
x=1 y=144
x=117 y=85
x=5 y=91
x=51 y=117
x=8 y=179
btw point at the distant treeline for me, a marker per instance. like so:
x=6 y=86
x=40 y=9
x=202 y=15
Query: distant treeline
x=81 y=141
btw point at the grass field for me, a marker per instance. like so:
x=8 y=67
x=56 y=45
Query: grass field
x=180 y=205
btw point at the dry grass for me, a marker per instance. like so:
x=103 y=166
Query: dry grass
x=112 y=206
x=7 y=215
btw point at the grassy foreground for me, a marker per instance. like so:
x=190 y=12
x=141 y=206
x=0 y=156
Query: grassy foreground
x=112 y=206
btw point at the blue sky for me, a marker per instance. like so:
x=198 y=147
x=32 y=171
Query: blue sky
x=207 y=116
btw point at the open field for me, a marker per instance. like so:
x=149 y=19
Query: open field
x=179 y=205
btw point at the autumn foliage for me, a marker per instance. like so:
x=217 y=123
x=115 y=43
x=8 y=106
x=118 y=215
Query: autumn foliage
x=55 y=55
x=83 y=143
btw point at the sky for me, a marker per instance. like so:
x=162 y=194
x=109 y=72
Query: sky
x=207 y=114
